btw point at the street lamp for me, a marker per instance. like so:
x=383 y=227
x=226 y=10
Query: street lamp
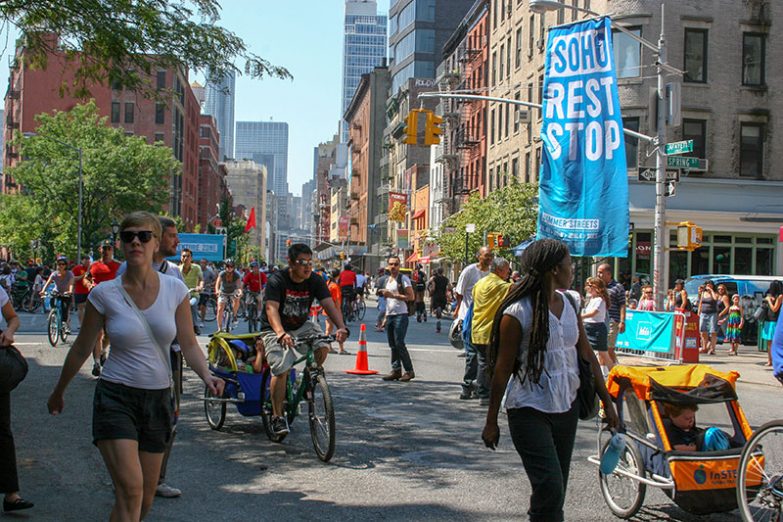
x=115 y=229
x=541 y=6
x=81 y=187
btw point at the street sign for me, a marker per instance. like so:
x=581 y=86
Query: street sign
x=687 y=162
x=679 y=147
x=670 y=190
x=470 y=228
x=648 y=174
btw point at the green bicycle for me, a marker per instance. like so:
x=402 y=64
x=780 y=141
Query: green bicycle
x=310 y=386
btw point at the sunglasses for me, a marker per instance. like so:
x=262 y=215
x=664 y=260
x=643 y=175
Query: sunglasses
x=393 y=264
x=127 y=236
x=303 y=262
x=185 y=255
x=62 y=264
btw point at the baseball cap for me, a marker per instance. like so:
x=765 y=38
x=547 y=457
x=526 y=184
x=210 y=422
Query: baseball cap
x=254 y=263
x=106 y=243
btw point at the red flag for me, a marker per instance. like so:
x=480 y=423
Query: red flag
x=251 y=220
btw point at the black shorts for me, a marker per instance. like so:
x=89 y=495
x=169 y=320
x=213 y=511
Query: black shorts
x=124 y=412
x=203 y=298
x=80 y=298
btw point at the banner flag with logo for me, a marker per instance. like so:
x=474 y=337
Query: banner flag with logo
x=583 y=184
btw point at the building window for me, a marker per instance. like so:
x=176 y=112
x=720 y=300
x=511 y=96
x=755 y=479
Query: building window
x=516 y=114
x=751 y=150
x=494 y=68
x=116 y=84
x=502 y=10
x=515 y=169
x=160 y=113
x=491 y=171
x=541 y=31
x=518 y=50
x=508 y=117
x=530 y=120
x=500 y=122
x=159 y=137
x=492 y=127
x=574 y=12
x=627 y=53
x=494 y=14
x=537 y=168
x=753 y=58
x=161 y=83
x=115 y=112
x=502 y=62
x=560 y=14
x=531 y=35
x=540 y=92
x=508 y=57
x=631 y=143
x=129 y=112
x=527 y=167
x=696 y=55
x=696 y=130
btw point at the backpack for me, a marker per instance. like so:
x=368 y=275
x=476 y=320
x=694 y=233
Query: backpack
x=382 y=284
x=421 y=284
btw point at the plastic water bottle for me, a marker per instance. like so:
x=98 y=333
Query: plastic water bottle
x=612 y=454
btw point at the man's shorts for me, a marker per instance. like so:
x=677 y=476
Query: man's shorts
x=611 y=339
x=124 y=412
x=708 y=323
x=203 y=298
x=281 y=359
x=80 y=298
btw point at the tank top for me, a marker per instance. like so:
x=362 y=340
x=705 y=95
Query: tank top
x=772 y=316
x=678 y=299
x=707 y=305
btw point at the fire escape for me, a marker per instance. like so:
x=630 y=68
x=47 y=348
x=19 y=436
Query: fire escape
x=467 y=135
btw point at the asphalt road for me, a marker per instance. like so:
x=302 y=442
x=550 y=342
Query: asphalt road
x=404 y=451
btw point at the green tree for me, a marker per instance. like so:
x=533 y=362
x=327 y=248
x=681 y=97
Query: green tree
x=118 y=40
x=120 y=174
x=511 y=211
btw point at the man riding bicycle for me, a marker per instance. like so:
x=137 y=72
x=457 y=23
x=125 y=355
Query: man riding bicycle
x=254 y=282
x=228 y=286
x=284 y=317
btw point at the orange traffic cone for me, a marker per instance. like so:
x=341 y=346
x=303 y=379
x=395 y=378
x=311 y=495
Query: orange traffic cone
x=362 y=365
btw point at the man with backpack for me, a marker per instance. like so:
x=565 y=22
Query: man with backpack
x=398 y=292
x=420 y=285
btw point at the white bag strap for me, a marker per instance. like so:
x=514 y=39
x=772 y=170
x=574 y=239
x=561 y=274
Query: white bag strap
x=164 y=353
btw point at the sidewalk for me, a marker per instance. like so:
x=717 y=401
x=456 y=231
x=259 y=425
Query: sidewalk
x=749 y=363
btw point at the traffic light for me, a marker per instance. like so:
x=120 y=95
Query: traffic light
x=689 y=236
x=342 y=256
x=503 y=241
x=288 y=242
x=412 y=127
x=492 y=240
x=433 y=129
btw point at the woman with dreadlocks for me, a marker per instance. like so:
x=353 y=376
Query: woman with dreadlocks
x=535 y=338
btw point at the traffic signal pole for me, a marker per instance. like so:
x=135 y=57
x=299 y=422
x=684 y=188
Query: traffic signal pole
x=661 y=239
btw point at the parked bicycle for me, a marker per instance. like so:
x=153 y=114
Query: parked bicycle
x=57 y=327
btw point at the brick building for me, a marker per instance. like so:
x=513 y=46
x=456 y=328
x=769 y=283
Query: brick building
x=212 y=186
x=172 y=119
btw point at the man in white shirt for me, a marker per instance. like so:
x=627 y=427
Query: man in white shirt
x=470 y=275
x=398 y=291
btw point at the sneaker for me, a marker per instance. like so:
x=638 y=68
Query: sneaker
x=166 y=491
x=280 y=426
x=66 y=329
x=466 y=396
x=96 y=369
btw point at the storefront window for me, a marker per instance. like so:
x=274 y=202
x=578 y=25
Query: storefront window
x=678 y=266
x=764 y=258
x=721 y=260
x=743 y=260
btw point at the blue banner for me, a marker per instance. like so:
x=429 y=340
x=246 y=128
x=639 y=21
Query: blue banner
x=203 y=246
x=583 y=184
x=648 y=331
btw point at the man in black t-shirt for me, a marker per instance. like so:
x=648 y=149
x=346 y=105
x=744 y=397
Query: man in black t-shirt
x=285 y=316
x=438 y=286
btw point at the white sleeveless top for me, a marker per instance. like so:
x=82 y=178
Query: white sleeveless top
x=556 y=390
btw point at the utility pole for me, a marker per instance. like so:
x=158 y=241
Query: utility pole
x=659 y=245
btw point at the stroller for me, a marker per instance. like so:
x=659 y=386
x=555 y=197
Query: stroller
x=699 y=482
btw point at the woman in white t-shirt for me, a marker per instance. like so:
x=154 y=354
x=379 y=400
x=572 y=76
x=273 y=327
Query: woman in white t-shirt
x=536 y=339
x=142 y=312
x=594 y=319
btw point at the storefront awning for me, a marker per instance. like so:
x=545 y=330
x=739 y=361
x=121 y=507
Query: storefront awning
x=419 y=213
x=413 y=258
x=424 y=260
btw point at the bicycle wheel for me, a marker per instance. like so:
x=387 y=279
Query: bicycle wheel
x=53 y=330
x=227 y=318
x=623 y=495
x=760 y=478
x=214 y=411
x=321 y=417
x=210 y=310
x=252 y=319
x=266 y=406
x=63 y=331
x=361 y=309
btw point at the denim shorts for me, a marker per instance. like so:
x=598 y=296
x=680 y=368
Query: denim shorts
x=597 y=334
x=124 y=412
x=708 y=323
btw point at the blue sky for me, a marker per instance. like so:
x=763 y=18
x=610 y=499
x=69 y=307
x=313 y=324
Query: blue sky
x=304 y=36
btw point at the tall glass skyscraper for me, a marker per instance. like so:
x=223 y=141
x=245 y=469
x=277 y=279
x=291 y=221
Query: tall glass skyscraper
x=266 y=143
x=418 y=30
x=364 y=47
x=220 y=104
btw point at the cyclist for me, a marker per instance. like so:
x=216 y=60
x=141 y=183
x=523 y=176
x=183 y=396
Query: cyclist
x=228 y=285
x=347 y=282
x=209 y=285
x=63 y=281
x=255 y=282
x=284 y=317
x=193 y=279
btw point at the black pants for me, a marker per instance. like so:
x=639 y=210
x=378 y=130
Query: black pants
x=545 y=442
x=9 y=481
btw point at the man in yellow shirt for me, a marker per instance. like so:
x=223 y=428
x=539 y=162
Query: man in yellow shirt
x=488 y=294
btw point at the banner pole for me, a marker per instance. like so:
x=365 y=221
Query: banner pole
x=659 y=255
